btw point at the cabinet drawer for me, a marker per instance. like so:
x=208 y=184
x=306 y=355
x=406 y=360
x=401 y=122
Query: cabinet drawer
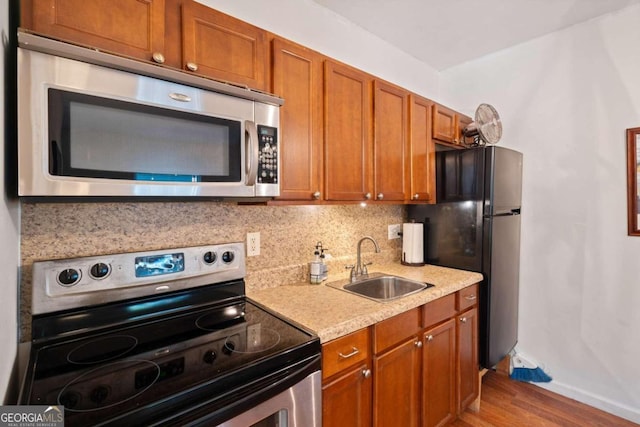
x=396 y=329
x=344 y=352
x=467 y=297
x=438 y=310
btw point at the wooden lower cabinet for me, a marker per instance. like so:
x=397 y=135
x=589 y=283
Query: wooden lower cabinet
x=439 y=375
x=467 y=341
x=424 y=369
x=346 y=400
x=396 y=386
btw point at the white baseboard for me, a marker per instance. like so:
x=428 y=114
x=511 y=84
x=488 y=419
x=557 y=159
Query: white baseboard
x=602 y=403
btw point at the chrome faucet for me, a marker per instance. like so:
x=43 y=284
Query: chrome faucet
x=360 y=269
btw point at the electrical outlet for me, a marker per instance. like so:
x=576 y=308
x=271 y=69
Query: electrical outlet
x=253 y=244
x=394 y=231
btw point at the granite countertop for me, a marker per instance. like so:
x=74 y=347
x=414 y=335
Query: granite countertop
x=331 y=313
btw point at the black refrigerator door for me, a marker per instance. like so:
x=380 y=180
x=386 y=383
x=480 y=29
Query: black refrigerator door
x=453 y=233
x=503 y=180
x=499 y=322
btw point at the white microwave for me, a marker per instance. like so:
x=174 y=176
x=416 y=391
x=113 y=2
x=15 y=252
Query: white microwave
x=91 y=130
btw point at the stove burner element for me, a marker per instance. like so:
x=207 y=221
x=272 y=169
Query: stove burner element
x=257 y=340
x=102 y=349
x=218 y=319
x=86 y=393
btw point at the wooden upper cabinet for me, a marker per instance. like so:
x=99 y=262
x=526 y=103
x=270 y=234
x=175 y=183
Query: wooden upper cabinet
x=297 y=77
x=222 y=47
x=445 y=124
x=422 y=151
x=391 y=151
x=347 y=124
x=134 y=28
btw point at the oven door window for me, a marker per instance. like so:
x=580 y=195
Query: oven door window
x=98 y=137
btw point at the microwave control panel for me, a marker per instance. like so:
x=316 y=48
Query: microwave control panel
x=268 y=155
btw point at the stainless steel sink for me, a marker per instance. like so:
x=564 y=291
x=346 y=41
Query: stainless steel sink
x=381 y=287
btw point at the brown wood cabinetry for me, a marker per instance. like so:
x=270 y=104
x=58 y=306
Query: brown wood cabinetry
x=422 y=151
x=448 y=126
x=222 y=47
x=390 y=142
x=467 y=341
x=439 y=375
x=347 y=130
x=212 y=44
x=127 y=27
x=297 y=77
x=397 y=369
x=424 y=367
x=346 y=381
x=346 y=399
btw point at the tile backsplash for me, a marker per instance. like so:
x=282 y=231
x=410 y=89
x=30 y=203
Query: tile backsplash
x=288 y=234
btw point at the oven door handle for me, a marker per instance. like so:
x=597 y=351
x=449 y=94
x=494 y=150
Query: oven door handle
x=251 y=151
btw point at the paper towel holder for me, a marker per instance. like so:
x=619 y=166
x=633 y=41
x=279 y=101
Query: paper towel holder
x=403 y=257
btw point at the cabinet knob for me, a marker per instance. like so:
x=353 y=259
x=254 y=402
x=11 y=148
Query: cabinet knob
x=428 y=338
x=418 y=344
x=367 y=196
x=416 y=196
x=463 y=319
x=316 y=195
x=192 y=66
x=366 y=373
x=380 y=196
x=158 y=57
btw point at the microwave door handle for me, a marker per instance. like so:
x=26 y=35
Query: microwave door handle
x=252 y=151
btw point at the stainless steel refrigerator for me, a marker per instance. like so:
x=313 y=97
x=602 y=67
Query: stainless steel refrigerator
x=475 y=226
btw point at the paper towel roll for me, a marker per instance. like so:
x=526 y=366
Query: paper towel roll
x=412 y=243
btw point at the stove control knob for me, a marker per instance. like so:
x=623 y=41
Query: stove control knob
x=228 y=348
x=100 y=270
x=227 y=257
x=69 y=399
x=209 y=257
x=69 y=277
x=99 y=394
x=209 y=357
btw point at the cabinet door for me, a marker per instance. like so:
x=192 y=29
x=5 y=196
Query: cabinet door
x=347 y=124
x=132 y=28
x=396 y=386
x=445 y=124
x=222 y=47
x=390 y=142
x=439 y=375
x=422 y=151
x=468 y=372
x=346 y=401
x=297 y=77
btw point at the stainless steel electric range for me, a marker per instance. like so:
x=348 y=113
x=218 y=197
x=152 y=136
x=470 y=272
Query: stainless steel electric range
x=166 y=338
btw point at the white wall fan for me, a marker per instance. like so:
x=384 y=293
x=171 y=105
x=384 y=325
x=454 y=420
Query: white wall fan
x=486 y=127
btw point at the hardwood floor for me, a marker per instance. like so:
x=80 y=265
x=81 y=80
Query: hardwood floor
x=505 y=402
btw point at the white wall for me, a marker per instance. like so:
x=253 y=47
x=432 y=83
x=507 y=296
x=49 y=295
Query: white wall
x=311 y=25
x=566 y=100
x=9 y=246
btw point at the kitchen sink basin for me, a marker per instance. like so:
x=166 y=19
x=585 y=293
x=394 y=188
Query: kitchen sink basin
x=381 y=287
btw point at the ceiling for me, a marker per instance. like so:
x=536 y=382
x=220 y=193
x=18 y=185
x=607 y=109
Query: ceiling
x=445 y=33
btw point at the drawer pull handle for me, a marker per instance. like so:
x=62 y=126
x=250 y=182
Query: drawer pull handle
x=471 y=297
x=366 y=373
x=353 y=353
